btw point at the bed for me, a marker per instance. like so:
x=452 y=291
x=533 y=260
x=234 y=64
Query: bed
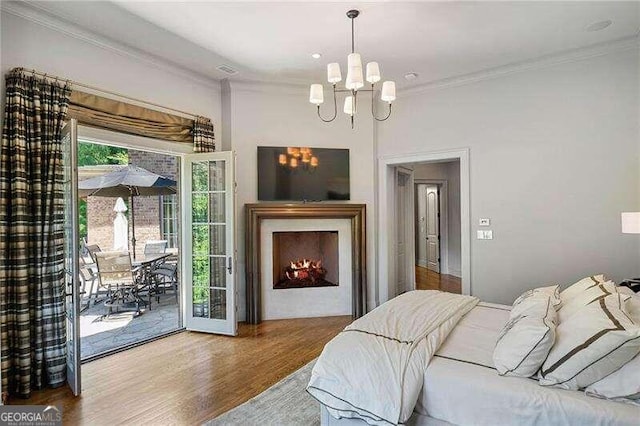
x=461 y=386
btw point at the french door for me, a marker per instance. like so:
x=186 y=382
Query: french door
x=71 y=252
x=208 y=232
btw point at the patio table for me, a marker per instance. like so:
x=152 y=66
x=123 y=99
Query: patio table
x=149 y=259
x=143 y=265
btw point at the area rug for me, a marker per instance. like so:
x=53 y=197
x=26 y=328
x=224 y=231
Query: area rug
x=286 y=403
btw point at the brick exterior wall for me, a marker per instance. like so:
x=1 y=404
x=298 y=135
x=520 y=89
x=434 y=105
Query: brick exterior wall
x=100 y=212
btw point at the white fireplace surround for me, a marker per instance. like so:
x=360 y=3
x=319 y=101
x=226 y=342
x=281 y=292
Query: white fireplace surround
x=312 y=301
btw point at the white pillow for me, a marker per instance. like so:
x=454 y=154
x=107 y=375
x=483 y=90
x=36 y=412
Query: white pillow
x=632 y=306
x=621 y=385
x=593 y=343
x=552 y=291
x=585 y=297
x=574 y=289
x=624 y=384
x=525 y=341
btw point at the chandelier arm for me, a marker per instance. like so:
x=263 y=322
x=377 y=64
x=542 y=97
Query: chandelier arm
x=335 y=108
x=384 y=119
x=350 y=91
x=373 y=113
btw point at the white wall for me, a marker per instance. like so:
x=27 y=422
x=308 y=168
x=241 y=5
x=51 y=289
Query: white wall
x=269 y=115
x=450 y=172
x=555 y=152
x=31 y=45
x=554 y=157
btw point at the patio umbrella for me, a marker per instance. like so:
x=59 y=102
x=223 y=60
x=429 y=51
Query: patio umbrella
x=128 y=181
x=120 y=226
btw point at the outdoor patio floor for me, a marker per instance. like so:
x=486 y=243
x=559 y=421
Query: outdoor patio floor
x=101 y=332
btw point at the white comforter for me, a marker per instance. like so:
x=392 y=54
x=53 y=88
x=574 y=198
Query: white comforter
x=374 y=369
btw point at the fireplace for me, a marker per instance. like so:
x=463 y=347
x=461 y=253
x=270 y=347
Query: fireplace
x=264 y=301
x=305 y=259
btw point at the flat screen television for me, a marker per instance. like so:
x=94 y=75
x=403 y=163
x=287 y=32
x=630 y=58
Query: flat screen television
x=279 y=181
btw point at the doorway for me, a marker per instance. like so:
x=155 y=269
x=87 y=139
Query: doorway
x=206 y=237
x=195 y=226
x=437 y=240
x=436 y=219
x=145 y=229
x=437 y=229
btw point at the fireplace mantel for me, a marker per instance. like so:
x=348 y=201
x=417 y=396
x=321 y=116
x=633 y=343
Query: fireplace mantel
x=256 y=213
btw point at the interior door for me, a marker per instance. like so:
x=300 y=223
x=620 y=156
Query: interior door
x=209 y=272
x=433 y=228
x=421 y=225
x=404 y=214
x=71 y=253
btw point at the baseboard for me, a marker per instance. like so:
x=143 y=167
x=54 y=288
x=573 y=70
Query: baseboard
x=455 y=273
x=421 y=263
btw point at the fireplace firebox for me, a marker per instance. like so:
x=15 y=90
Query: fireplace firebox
x=305 y=259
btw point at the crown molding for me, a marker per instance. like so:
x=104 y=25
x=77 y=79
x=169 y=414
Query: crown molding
x=41 y=16
x=270 y=87
x=568 y=56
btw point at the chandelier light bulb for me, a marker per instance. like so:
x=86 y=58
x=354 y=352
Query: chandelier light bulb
x=388 y=91
x=314 y=161
x=373 y=72
x=349 y=106
x=316 y=94
x=354 y=72
x=293 y=163
x=282 y=159
x=333 y=73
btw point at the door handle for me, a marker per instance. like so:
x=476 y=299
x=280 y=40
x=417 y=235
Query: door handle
x=230 y=265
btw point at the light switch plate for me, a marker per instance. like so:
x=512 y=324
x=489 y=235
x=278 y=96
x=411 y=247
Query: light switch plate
x=485 y=234
x=484 y=222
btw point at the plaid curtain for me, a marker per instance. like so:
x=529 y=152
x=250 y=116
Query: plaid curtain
x=203 y=137
x=32 y=311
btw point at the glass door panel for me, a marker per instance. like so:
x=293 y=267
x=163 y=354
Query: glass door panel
x=209 y=242
x=71 y=253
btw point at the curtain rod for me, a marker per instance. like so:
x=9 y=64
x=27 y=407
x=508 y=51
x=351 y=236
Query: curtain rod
x=120 y=95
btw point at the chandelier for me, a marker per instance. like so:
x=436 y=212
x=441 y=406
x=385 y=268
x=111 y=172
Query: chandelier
x=296 y=158
x=353 y=84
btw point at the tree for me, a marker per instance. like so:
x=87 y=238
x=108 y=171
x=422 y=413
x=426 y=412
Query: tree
x=90 y=154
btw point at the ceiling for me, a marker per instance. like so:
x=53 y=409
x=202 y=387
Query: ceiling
x=274 y=41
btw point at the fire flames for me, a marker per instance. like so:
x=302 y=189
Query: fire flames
x=305 y=270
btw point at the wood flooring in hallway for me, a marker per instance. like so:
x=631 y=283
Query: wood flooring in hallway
x=426 y=279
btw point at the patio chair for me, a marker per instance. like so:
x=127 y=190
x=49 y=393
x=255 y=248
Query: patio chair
x=155 y=247
x=165 y=277
x=116 y=275
x=92 y=249
x=89 y=271
x=88 y=274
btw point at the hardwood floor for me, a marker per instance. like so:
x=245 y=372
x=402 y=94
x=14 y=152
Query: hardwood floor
x=190 y=377
x=426 y=279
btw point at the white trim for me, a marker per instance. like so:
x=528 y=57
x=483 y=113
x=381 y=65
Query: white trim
x=444 y=221
x=280 y=88
x=546 y=61
x=123 y=140
x=455 y=273
x=385 y=193
x=42 y=16
x=409 y=231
